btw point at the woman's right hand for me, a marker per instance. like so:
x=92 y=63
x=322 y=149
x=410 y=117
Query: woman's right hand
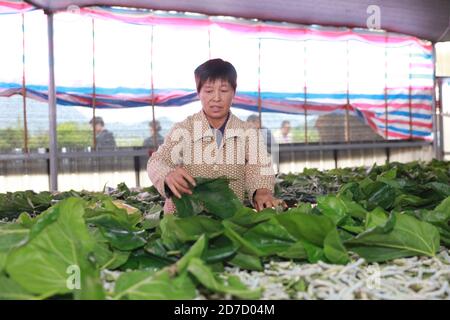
x=178 y=181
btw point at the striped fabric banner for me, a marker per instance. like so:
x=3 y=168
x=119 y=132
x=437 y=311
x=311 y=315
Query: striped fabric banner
x=11 y=6
x=384 y=78
x=286 y=31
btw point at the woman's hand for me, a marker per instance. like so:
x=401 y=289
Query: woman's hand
x=178 y=181
x=264 y=199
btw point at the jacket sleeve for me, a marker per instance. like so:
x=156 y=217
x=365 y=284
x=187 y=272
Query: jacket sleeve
x=258 y=174
x=163 y=161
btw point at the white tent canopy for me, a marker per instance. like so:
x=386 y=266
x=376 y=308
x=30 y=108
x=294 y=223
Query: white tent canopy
x=424 y=19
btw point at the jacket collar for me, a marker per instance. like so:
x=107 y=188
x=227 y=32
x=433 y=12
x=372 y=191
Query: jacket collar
x=207 y=131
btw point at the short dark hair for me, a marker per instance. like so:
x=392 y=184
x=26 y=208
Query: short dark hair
x=97 y=120
x=253 y=117
x=157 y=125
x=215 y=69
x=285 y=122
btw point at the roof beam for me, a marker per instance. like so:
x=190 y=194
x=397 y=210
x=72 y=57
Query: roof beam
x=424 y=19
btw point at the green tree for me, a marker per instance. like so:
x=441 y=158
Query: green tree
x=70 y=135
x=11 y=138
x=74 y=135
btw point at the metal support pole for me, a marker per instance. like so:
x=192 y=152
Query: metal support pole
x=53 y=146
x=305 y=92
x=409 y=95
x=440 y=124
x=259 y=84
x=434 y=109
x=347 y=106
x=137 y=170
x=386 y=107
x=435 y=122
x=155 y=131
x=94 y=89
x=24 y=90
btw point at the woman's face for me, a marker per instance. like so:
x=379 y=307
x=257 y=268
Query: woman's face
x=216 y=98
x=285 y=129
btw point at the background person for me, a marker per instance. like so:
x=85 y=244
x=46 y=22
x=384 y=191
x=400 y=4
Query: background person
x=149 y=142
x=104 y=138
x=253 y=119
x=284 y=134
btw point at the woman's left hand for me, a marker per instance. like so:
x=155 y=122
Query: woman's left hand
x=264 y=199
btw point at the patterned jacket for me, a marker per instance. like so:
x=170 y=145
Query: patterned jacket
x=242 y=156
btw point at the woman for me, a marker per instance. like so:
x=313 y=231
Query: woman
x=155 y=139
x=284 y=134
x=214 y=143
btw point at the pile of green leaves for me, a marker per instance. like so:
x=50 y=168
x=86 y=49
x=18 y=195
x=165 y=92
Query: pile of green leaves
x=312 y=183
x=12 y=204
x=306 y=186
x=147 y=200
x=43 y=256
x=178 y=256
x=368 y=225
x=380 y=216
